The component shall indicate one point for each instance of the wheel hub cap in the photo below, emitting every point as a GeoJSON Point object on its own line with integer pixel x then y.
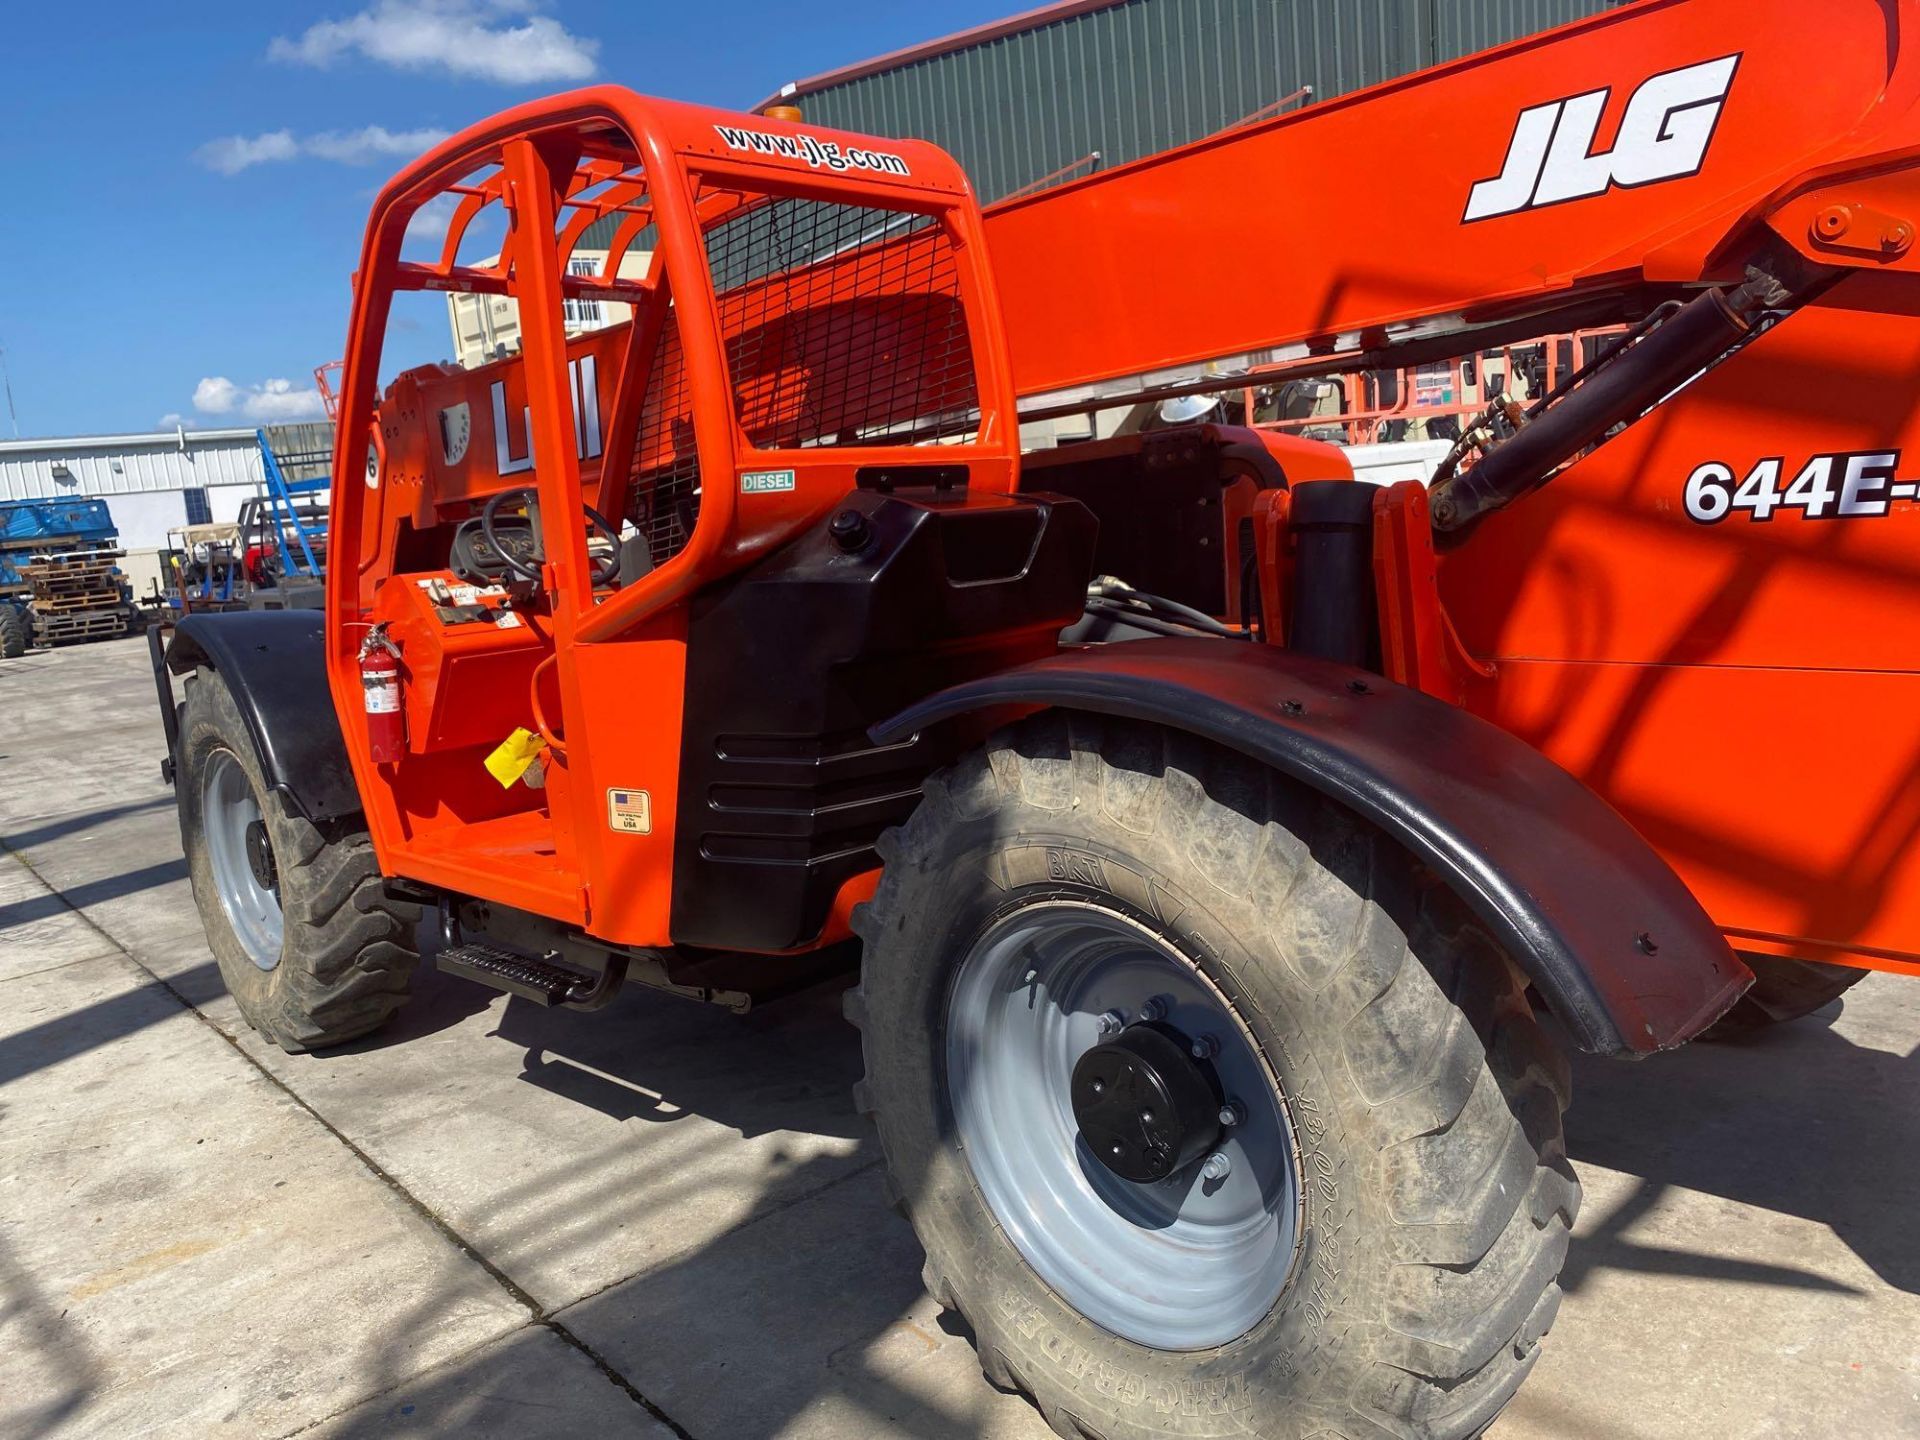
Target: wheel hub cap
{"type": "Point", "coordinates": [1057, 998]}
{"type": "Point", "coordinates": [240, 857]}
{"type": "Point", "coordinates": [1144, 1105]}
{"type": "Point", "coordinates": [260, 855]}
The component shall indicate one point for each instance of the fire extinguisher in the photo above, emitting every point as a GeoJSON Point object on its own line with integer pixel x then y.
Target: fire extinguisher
{"type": "Point", "coordinates": [380, 682]}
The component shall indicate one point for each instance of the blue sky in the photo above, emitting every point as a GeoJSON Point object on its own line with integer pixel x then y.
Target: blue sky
{"type": "Point", "coordinates": [186, 184]}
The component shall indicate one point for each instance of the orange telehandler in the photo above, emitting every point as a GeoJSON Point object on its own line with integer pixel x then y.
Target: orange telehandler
{"type": "Point", "coordinates": [1216, 831]}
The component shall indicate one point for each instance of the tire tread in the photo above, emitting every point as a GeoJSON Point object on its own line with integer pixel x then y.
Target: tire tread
{"type": "Point", "coordinates": [1464, 1085]}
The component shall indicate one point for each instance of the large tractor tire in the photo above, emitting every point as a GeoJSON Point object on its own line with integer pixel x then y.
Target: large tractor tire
{"type": "Point", "coordinates": [312, 948]}
{"type": "Point", "coordinates": [1783, 990]}
{"type": "Point", "coordinates": [1336, 1198]}
{"type": "Point", "coordinates": [13, 632]}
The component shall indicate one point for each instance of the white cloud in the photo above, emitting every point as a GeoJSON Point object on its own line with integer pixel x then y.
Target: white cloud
{"type": "Point", "coordinates": [171, 420]}
{"type": "Point", "coordinates": [215, 395]}
{"type": "Point", "coordinates": [427, 226]}
{"type": "Point", "coordinates": [271, 402]}
{"type": "Point", "coordinates": [374, 142]}
{"type": "Point", "coordinates": [473, 39]}
{"type": "Point", "coordinates": [235, 153]}
{"type": "Point", "coordinates": [427, 230]}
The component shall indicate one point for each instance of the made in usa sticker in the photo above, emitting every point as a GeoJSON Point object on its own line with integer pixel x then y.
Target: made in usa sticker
{"type": "Point", "coordinates": [630, 812]}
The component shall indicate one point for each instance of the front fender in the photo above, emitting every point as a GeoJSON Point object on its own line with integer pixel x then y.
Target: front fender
{"type": "Point", "coordinates": [275, 666]}
{"type": "Point", "coordinates": [1621, 950]}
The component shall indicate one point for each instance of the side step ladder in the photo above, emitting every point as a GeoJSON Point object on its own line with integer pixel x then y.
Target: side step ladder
{"type": "Point", "coordinates": [540, 981]}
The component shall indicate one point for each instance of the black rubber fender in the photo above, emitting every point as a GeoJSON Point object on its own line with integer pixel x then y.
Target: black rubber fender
{"type": "Point", "coordinates": [274, 665]}
{"type": "Point", "coordinates": [1613, 940]}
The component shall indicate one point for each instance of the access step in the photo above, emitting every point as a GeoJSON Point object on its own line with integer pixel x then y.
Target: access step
{"type": "Point", "coordinates": [536, 980]}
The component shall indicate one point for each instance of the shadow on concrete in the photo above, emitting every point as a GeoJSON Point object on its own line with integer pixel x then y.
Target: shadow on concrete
{"type": "Point", "coordinates": [819, 1273]}
{"type": "Point", "coordinates": [655, 1057]}
{"type": "Point", "coordinates": [435, 1002]}
{"type": "Point", "coordinates": [828, 1282]}
{"type": "Point", "coordinates": [29, 1323]}
{"type": "Point", "coordinates": [66, 825]}
{"type": "Point", "coordinates": [92, 1026]}
{"type": "Point", "coordinates": [1606, 1247]}
{"type": "Point", "coordinates": [91, 892]}
{"type": "Point", "coordinates": [1796, 1119]}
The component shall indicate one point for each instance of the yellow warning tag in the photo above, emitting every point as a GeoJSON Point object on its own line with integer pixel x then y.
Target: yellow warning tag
{"type": "Point", "coordinates": [510, 759]}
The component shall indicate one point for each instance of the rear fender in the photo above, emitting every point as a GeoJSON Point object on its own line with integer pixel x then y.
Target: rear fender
{"type": "Point", "coordinates": [274, 665]}
{"type": "Point", "coordinates": [1617, 945]}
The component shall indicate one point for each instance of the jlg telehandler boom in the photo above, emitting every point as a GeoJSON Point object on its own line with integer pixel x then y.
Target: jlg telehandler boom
{"type": "Point", "coordinates": [1197, 972]}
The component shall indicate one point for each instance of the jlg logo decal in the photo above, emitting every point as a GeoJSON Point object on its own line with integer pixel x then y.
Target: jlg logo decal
{"type": "Point", "coordinates": [1663, 136]}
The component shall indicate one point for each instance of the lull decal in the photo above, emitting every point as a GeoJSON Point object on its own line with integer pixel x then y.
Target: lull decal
{"type": "Point", "coordinates": [1846, 485]}
{"type": "Point", "coordinates": [816, 153]}
{"type": "Point", "coordinates": [1663, 135]}
{"type": "Point", "coordinates": [582, 376]}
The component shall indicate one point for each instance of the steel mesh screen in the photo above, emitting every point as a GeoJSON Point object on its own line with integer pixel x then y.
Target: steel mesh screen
{"type": "Point", "coordinates": [843, 325]}
{"type": "Point", "coordinates": [663, 498]}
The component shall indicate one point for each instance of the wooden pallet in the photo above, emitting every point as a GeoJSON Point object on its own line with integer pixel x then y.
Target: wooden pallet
{"type": "Point", "coordinates": [63, 582]}
{"type": "Point", "coordinates": [80, 564]}
{"type": "Point", "coordinates": [66, 559]}
{"type": "Point", "coordinates": [69, 626]}
{"type": "Point", "coordinates": [102, 597]}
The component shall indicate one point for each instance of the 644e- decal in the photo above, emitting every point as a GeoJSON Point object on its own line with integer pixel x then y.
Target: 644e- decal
{"type": "Point", "coordinates": [1844, 485]}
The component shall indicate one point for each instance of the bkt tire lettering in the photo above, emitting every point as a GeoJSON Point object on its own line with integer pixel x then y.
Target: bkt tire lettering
{"type": "Point", "coordinates": [1663, 136]}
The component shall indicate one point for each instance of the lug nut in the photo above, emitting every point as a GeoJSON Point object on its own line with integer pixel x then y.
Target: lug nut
{"type": "Point", "coordinates": [1205, 1047]}
{"type": "Point", "coordinates": [1230, 1113]}
{"type": "Point", "coordinates": [1217, 1166]}
{"type": "Point", "coordinates": [1154, 1009]}
{"type": "Point", "coordinates": [1112, 1023]}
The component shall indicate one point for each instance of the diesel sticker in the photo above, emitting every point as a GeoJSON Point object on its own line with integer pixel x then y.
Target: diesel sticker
{"type": "Point", "coordinates": [765, 482]}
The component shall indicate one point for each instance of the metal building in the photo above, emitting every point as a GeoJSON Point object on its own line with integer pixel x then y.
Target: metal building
{"type": "Point", "coordinates": [1088, 84]}
{"type": "Point", "coordinates": [154, 483]}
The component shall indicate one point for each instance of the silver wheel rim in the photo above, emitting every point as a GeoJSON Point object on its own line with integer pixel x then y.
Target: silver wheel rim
{"type": "Point", "coordinates": [227, 809]}
{"type": "Point", "coordinates": [1188, 1263]}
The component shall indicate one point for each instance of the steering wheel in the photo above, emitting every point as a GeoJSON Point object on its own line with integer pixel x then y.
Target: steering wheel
{"type": "Point", "coordinates": [601, 568]}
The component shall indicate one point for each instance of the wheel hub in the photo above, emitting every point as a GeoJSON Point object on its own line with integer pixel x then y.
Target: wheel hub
{"type": "Point", "coordinates": [1145, 1106]}
{"type": "Point", "coordinates": [260, 856]}
{"type": "Point", "coordinates": [246, 882]}
{"type": "Point", "coordinates": [1037, 1015]}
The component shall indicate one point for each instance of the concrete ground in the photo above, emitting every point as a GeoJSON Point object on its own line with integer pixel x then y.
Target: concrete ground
{"type": "Point", "coordinates": [494, 1220]}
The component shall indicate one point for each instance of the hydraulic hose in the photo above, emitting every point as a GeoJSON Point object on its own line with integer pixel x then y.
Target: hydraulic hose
{"type": "Point", "coordinates": [1626, 386]}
